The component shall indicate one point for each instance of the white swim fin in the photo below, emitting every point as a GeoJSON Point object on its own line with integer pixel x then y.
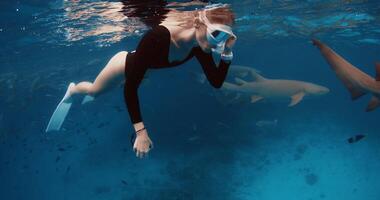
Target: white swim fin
{"type": "Point", "coordinates": [87, 98]}
{"type": "Point", "coordinates": [61, 111]}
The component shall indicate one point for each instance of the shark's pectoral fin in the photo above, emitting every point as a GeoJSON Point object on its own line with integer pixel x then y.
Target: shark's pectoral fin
{"type": "Point", "coordinates": [296, 98]}
{"type": "Point", "coordinates": [354, 90]}
{"type": "Point", "coordinates": [256, 98]}
{"type": "Point", "coordinates": [373, 104]}
{"type": "Point", "coordinates": [355, 93]}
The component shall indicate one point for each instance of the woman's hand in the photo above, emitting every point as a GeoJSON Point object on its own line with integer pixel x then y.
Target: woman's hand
{"type": "Point", "coordinates": [142, 144]}
{"type": "Point", "coordinates": [230, 43]}
{"type": "Point", "coordinates": [227, 54]}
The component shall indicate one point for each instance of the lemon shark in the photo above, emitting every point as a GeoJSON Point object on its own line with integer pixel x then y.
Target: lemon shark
{"type": "Point", "coordinates": [265, 88]}
{"type": "Point", "coordinates": [234, 71]}
{"type": "Point", "coordinates": [356, 81]}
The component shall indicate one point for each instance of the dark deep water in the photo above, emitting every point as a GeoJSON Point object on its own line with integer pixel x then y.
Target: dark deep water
{"type": "Point", "coordinates": [204, 148]}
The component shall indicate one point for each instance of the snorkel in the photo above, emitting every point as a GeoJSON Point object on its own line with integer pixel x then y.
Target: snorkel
{"type": "Point", "coordinates": [217, 34]}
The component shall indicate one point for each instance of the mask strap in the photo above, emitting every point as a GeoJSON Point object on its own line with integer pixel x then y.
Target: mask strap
{"type": "Point", "coordinates": [220, 27]}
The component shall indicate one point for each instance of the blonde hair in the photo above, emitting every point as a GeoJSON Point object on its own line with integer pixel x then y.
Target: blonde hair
{"type": "Point", "coordinates": [219, 15]}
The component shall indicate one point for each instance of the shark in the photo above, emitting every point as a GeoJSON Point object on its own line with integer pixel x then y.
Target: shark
{"type": "Point", "coordinates": [265, 88]}
{"type": "Point", "coordinates": [242, 71]}
{"type": "Point", "coordinates": [356, 81]}
{"type": "Point", "coordinates": [234, 71]}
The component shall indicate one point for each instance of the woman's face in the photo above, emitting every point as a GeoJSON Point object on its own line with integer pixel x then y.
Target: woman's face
{"type": "Point", "coordinates": [203, 42]}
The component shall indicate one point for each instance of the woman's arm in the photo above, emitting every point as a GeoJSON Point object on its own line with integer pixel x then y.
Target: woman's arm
{"type": "Point", "coordinates": [133, 80]}
{"type": "Point", "coordinates": [215, 74]}
{"type": "Point", "coordinates": [136, 66]}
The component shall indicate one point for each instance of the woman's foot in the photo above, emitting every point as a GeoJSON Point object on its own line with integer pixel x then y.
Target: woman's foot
{"type": "Point", "coordinates": [61, 111]}
{"type": "Point", "coordinates": [69, 92]}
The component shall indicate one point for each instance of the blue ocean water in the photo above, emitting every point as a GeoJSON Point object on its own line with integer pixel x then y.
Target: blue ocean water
{"type": "Point", "coordinates": [204, 148]}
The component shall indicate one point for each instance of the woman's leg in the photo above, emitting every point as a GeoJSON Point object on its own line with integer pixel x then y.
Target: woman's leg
{"type": "Point", "coordinates": [109, 77]}
{"type": "Point", "coordinates": [111, 74]}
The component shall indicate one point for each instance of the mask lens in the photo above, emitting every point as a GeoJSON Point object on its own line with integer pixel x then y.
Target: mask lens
{"type": "Point", "coordinates": [219, 48]}
{"type": "Point", "coordinates": [215, 33]}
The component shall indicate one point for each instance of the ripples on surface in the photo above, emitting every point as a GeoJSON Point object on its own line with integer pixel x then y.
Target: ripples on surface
{"type": "Point", "coordinates": [99, 21]}
{"type": "Point", "coordinates": [105, 23]}
{"type": "Point", "coordinates": [357, 20]}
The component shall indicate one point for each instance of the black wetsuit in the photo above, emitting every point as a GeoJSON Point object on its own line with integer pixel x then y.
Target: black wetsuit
{"type": "Point", "coordinates": [152, 53]}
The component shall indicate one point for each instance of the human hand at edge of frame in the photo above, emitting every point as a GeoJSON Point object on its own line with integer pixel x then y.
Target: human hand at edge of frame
{"type": "Point", "coordinates": [143, 144]}
{"type": "Point", "coordinates": [227, 52]}
{"type": "Point", "coordinates": [230, 43]}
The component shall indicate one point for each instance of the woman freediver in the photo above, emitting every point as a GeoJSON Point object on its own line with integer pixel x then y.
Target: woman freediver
{"type": "Point", "coordinates": [181, 36]}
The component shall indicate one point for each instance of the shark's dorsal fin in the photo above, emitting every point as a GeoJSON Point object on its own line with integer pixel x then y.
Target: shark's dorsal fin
{"type": "Point", "coordinates": [377, 67]}
{"type": "Point", "coordinates": [256, 76]}
{"type": "Point", "coordinates": [240, 81]}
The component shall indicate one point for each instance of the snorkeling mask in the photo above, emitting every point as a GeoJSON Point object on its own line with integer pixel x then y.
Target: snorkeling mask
{"type": "Point", "coordinates": [217, 34]}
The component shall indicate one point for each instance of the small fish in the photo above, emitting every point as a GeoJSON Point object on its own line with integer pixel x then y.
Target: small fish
{"type": "Point", "coordinates": [93, 62]}
{"type": "Point", "coordinates": [101, 125]}
{"type": "Point", "coordinates": [92, 141]}
{"type": "Point", "coordinates": [195, 127]}
{"type": "Point", "coordinates": [267, 123]}
{"type": "Point", "coordinates": [58, 158]}
{"type": "Point", "coordinates": [194, 138]}
{"type": "Point", "coordinates": [124, 182]}
{"type": "Point", "coordinates": [223, 124]}
{"type": "Point", "coordinates": [68, 169]}
{"type": "Point", "coordinates": [355, 138]}
{"type": "Point", "coordinates": [61, 149]}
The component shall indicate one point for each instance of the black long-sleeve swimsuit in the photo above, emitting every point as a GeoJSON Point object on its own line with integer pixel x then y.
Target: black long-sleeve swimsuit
{"type": "Point", "coordinates": [152, 53]}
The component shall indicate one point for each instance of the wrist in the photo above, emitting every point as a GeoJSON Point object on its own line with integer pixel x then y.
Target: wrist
{"type": "Point", "coordinates": [141, 132]}
{"type": "Point", "coordinates": [138, 126]}
{"type": "Point", "coordinates": [227, 56]}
